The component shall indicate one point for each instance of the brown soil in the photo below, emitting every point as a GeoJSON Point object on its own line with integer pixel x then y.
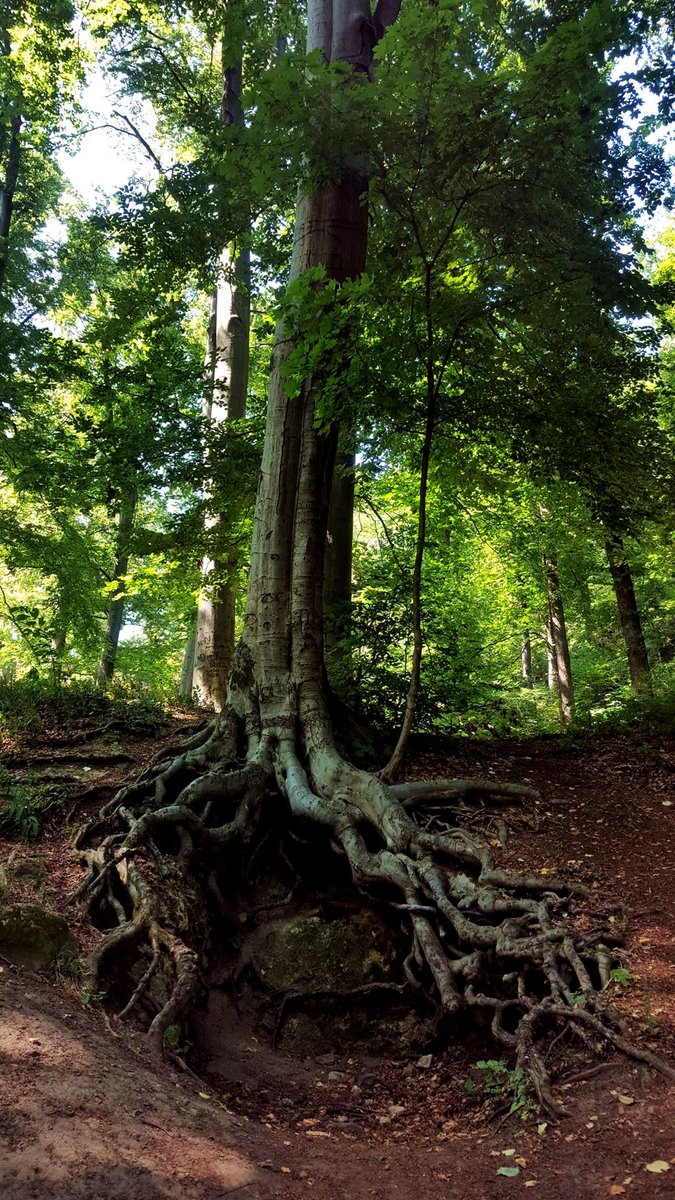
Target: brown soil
{"type": "Point", "coordinates": [84, 1111]}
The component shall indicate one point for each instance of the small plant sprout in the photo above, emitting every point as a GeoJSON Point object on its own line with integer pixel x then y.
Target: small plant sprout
{"type": "Point", "coordinates": [505, 1088]}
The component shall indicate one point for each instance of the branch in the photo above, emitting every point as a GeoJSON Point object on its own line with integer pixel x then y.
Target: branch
{"type": "Point", "coordinates": [135, 132]}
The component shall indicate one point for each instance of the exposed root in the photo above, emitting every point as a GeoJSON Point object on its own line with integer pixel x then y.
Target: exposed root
{"type": "Point", "coordinates": [412, 795]}
{"type": "Point", "coordinates": [483, 940]}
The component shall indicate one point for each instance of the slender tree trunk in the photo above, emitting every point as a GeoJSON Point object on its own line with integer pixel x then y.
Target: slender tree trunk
{"type": "Point", "coordinates": [115, 618]}
{"type": "Point", "coordinates": [338, 575]}
{"type": "Point", "coordinates": [187, 671]}
{"type": "Point", "coordinates": [552, 662]}
{"type": "Point", "coordinates": [526, 658]}
{"type": "Point", "coordinates": [629, 616]}
{"type": "Point", "coordinates": [7, 191]}
{"type": "Point", "coordinates": [227, 367]}
{"type": "Point", "coordinates": [559, 645]}
{"type": "Point", "coordinates": [393, 767]}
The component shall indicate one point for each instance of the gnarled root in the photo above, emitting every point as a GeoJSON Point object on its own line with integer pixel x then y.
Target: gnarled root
{"type": "Point", "coordinates": [161, 857]}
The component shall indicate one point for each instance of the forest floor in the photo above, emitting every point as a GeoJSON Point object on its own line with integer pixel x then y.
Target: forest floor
{"type": "Point", "coordinates": [86, 1113]}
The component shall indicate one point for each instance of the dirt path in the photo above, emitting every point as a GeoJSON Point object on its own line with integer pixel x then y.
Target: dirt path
{"type": "Point", "coordinates": [84, 1113]}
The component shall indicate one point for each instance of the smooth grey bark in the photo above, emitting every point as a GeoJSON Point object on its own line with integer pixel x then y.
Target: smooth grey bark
{"type": "Point", "coordinates": [560, 667]}
{"type": "Point", "coordinates": [115, 616]}
{"type": "Point", "coordinates": [526, 658]}
{"type": "Point", "coordinates": [227, 385]}
{"type": "Point", "coordinates": [187, 671]}
{"type": "Point", "coordinates": [629, 616]}
{"type": "Point", "coordinates": [284, 618]}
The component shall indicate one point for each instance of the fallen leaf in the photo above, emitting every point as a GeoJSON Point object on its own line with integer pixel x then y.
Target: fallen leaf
{"type": "Point", "coordinates": [626, 1099]}
{"type": "Point", "coordinates": [522, 1162]}
{"type": "Point", "coordinates": [616, 1190]}
{"type": "Point", "coordinates": [667, 803]}
{"type": "Point", "coordinates": [205, 1095]}
{"type": "Point", "coordinates": [657, 1167]}
{"type": "Point", "coordinates": [541, 1130]}
{"type": "Point", "coordinates": [510, 1172]}
{"type": "Point", "coordinates": [287, 1171]}
{"type": "Point", "coordinates": [508, 1153]}
{"type": "Point", "coordinates": [530, 1183]}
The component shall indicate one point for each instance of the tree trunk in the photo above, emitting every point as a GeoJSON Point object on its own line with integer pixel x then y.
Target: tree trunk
{"type": "Point", "coordinates": [560, 668]}
{"type": "Point", "coordinates": [116, 606]}
{"type": "Point", "coordinates": [552, 663]}
{"type": "Point", "coordinates": [629, 616]}
{"type": "Point", "coordinates": [227, 385]}
{"type": "Point", "coordinates": [526, 658]}
{"type": "Point", "coordinates": [338, 577]}
{"type": "Point", "coordinates": [187, 671]}
{"type": "Point", "coordinates": [7, 190]}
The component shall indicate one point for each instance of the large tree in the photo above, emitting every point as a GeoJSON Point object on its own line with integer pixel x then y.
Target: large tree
{"type": "Point", "coordinates": [481, 938]}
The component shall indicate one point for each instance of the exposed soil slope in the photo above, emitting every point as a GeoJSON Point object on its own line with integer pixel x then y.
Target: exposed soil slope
{"type": "Point", "coordinates": [84, 1112]}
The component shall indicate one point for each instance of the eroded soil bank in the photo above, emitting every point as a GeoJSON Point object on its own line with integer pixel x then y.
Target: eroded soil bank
{"type": "Point", "coordinates": [84, 1112]}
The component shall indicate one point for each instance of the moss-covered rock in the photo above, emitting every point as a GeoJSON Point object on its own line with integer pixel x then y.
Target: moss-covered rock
{"type": "Point", "coordinates": [311, 952]}
{"type": "Point", "coordinates": [323, 952]}
{"type": "Point", "coordinates": [32, 937]}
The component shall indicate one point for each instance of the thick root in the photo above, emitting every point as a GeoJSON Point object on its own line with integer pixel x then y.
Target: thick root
{"type": "Point", "coordinates": [481, 939]}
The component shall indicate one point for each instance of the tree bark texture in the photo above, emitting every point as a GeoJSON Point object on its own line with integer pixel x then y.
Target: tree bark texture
{"type": "Point", "coordinates": [560, 667]}
{"type": "Point", "coordinates": [115, 617]}
{"type": "Point", "coordinates": [629, 616]}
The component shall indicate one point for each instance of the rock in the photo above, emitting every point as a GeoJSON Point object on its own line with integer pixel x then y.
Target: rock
{"type": "Point", "coordinates": [425, 1061]}
{"type": "Point", "coordinates": [336, 1076]}
{"type": "Point", "coordinates": [396, 1110]}
{"type": "Point", "coordinates": [311, 952]}
{"type": "Point", "coordinates": [34, 938]}
{"type": "Point", "coordinates": [357, 1091]}
{"type": "Point", "coordinates": [336, 951]}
